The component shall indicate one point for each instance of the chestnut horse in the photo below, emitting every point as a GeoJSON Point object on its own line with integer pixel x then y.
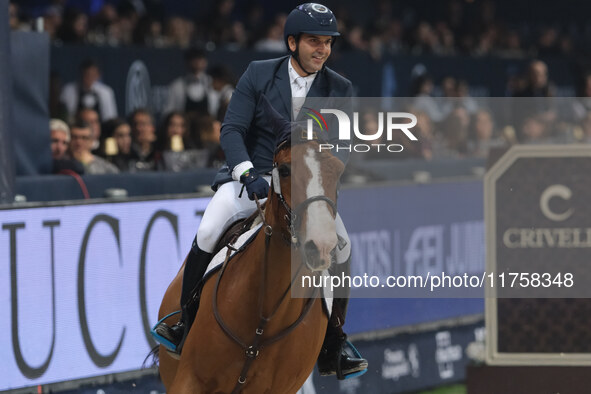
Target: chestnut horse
{"type": "Point", "coordinates": [250, 335]}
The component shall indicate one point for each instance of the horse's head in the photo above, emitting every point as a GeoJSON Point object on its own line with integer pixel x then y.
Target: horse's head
{"type": "Point", "coordinates": [305, 180]}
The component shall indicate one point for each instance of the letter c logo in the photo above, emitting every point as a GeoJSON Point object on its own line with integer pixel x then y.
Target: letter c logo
{"type": "Point", "coordinates": [555, 191]}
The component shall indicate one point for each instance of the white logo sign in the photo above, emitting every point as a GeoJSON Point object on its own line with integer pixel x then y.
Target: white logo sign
{"type": "Point", "coordinates": [138, 88]}
{"type": "Point", "coordinates": [446, 354]}
{"type": "Point", "coordinates": [555, 191]}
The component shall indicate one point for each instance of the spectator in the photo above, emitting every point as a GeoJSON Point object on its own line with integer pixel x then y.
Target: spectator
{"type": "Point", "coordinates": [105, 29]}
{"type": "Point", "coordinates": [537, 83]}
{"type": "Point", "coordinates": [74, 29]}
{"type": "Point", "coordinates": [189, 93]}
{"type": "Point", "coordinates": [60, 138]}
{"type": "Point", "coordinates": [148, 32]}
{"type": "Point", "coordinates": [219, 21]}
{"type": "Point", "coordinates": [533, 131]}
{"type": "Point", "coordinates": [537, 89]}
{"type": "Point", "coordinates": [179, 31]}
{"type": "Point", "coordinates": [464, 98]}
{"type": "Point", "coordinates": [426, 40]}
{"type": "Point", "coordinates": [91, 117]}
{"type": "Point", "coordinates": [89, 92]}
{"type": "Point", "coordinates": [174, 134]}
{"type": "Point", "coordinates": [254, 22]}
{"type": "Point", "coordinates": [483, 137]}
{"type": "Point", "coordinates": [207, 133]}
{"type": "Point", "coordinates": [60, 141]}
{"type": "Point", "coordinates": [143, 135]}
{"type": "Point", "coordinates": [455, 134]}
{"type": "Point", "coordinates": [52, 21]}
{"type": "Point", "coordinates": [548, 44]}
{"type": "Point", "coordinates": [422, 90]}
{"type": "Point", "coordinates": [118, 144]}
{"type": "Point", "coordinates": [13, 16]}
{"type": "Point", "coordinates": [511, 45]}
{"type": "Point", "coordinates": [426, 136]}
{"type": "Point", "coordinates": [129, 14]}
{"type": "Point", "coordinates": [449, 86]}
{"type": "Point", "coordinates": [238, 37]}
{"type": "Point", "coordinates": [80, 147]}
{"type": "Point", "coordinates": [273, 40]}
{"type": "Point", "coordinates": [222, 87]}
{"type": "Point", "coordinates": [176, 145]}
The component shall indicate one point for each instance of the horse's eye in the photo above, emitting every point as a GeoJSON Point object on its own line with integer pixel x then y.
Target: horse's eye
{"type": "Point", "coordinates": [284, 171]}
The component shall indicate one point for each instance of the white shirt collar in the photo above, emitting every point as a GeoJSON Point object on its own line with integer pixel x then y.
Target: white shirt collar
{"type": "Point", "coordinates": [293, 75]}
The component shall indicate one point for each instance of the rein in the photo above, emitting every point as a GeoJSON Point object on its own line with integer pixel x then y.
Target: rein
{"type": "Point", "coordinates": [292, 218]}
{"type": "Point", "coordinates": [257, 343]}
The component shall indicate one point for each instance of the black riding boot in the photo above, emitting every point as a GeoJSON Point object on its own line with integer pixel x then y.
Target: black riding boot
{"type": "Point", "coordinates": [195, 267]}
{"type": "Point", "coordinates": [333, 359]}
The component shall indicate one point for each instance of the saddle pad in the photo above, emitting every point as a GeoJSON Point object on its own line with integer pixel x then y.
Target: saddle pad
{"type": "Point", "coordinates": [244, 239]}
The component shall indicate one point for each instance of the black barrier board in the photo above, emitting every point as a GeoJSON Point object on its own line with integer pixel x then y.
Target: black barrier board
{"type": "Point", "coordinates": [538, 233]}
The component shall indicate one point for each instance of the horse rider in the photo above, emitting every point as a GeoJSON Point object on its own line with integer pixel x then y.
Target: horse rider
{"type": "Point", "coordinates": [249, 142]}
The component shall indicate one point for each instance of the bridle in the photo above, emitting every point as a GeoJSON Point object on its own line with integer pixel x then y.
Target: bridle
{"type": "Point", "coordinates": [292, 218]}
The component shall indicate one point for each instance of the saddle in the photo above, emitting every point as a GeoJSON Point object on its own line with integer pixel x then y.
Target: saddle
{"type": "Point", "coordinates": [227, 239]}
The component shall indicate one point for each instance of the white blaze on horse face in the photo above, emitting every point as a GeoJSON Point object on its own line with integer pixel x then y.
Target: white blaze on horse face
{"type": "Point", "coordinates": [320, 224]}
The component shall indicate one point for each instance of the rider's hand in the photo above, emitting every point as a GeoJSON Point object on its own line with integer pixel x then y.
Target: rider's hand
{"type": "Point", "coordinates": [255, 185]}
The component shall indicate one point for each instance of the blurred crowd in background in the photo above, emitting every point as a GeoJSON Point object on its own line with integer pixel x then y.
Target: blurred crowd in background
{"type": "Point", "coordinates": [476, 28]}
{"type": "Point", "coordinates": [186, 137]}
{"type": "Point", "coordinates": [88, 136]}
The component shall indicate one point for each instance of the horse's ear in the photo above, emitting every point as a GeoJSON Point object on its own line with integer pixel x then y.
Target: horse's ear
{"type": "Point", "coordinates": [281, 126]}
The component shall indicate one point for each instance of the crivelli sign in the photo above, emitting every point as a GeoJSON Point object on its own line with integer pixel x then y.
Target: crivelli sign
{"type": "Point", "coordinates": [551, 237]}
{"type": "Point", "coordinates": [541, 224]}
{"type": "Point", "coordinates": [538, 223]}
{"type": "Point", "coordinates": [81, 285]}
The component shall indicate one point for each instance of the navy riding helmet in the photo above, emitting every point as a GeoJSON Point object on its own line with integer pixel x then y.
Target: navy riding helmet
{"type": "Point", "coordinates": [310, 18]}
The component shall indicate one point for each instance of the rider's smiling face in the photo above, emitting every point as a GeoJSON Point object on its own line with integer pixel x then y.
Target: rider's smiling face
{"type": "Point", "coordinates": [313, 51]}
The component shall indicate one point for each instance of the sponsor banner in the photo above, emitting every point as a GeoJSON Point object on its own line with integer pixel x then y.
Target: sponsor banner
{"type": "Point", "coordinates": [414, 231]}
{"type": "Point", "coordinates": [539, 237]}
{"type": "Point", "coordinates": [411, 229]}
{"type": "Point", "coordinates": [411, 362]}
{"type": "Point", "coordinates": [80, 286]}
{"type": "Point", "coordinates": [404, 363]}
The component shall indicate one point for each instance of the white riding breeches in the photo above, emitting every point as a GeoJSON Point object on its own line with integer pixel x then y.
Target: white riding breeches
{"type": "Point", "coordinates": [226, 207]}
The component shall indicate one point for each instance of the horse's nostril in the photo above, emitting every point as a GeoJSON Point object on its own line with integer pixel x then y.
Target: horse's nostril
{"type": "Point", "coordinates": [311, 250]}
